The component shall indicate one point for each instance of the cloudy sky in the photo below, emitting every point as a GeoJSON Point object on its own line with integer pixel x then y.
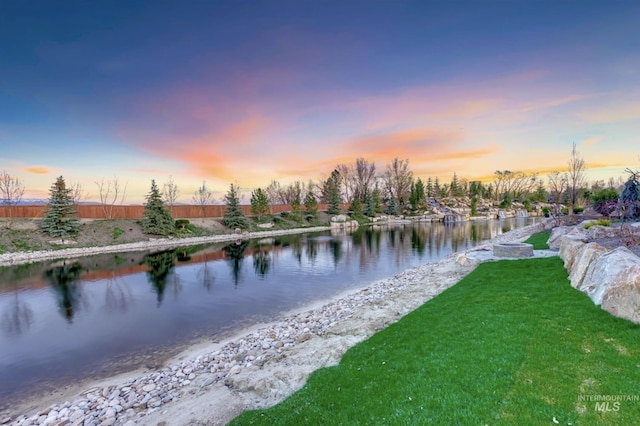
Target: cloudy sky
{"type": "Point", "coordinates": [250, 91]}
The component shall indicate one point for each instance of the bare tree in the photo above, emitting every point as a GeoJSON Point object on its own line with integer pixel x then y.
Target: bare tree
{"type": "Point", "coordinates": [78, 194]}
{"type": "Point", "coordinates": [557, 184]}
{"type": "Point", "coordinates": [11, 191]}
{"type": "Point", "coordinates": [576, 176]}
{"type": "Point", "coordinates": [203, 197]}
{"type": "Point", "coordinates": [275, 193]}
{"type": "Point", "coordinates": [513, 184]}
{"type": "Point", "coordinates": [358, 179]}
{"type": "Point", "coordinates": [397, 180]}
{"type": "Point", "coordinates": [170, 191]}
{"type": "Point", "coordinates": [111, 192]}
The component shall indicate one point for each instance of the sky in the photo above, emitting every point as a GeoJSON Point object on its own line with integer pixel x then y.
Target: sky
{"type": "Point", "coordinates": [247, 92]}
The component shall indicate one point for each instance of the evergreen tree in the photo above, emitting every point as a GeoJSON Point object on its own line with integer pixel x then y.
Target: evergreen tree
{"type": "Point", "coordinates": [311, 204]}
{"type": "Point", "coordinates": [259, 203]}
{"type": "Point", "coordinates": [61, 218]}
{"type": "Point", "coordinates": [296, 204]}
{"type": "Point", "coordinates": [356, 206]}
{"type": "Point", "coordinates": [233, 216]}
{"type": "Point", "coordinates": [377, 199]}
{"type": "Point", "coordinates": [453, 186]}
{"type": "Point", "coordinates": [413, 197]}
{"type": "Point", "coordinates": [429, 189]}
{"type": "Point", "coordinates": [333, 189]}
{"type": "Point", "coordinates": [392, 208]}
{"type": "Point", "coordinates": [436, 188]}
{"type": "Point", "coordinates": [370, 207]}
{"type": "Point", "coordinates": [156, 217]}
{"type": "Point", "coordinates": [420, 194]}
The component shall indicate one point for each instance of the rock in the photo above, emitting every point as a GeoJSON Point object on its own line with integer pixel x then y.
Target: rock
{"type": "Point", "coordinates": [148, 388]}
{"type": "Point", "coordinates": [611, 278]}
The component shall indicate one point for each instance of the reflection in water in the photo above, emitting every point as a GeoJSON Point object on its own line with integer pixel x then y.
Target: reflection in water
{"type": "Point", "coordinates": [335, 246]}
{"type": "Point", "coordinates": [161, 266]}
{"type": "Point", "coordinates": [312, 250]}
{"type": "Point", "coordinates": [117, 296]}
{"type": "Point", "coordinates": [64, 280]}
{"type": "Point", "coordinates": [234, 254]}
{"type": "Point", "coordinates": [18, 317]}
{"type": "Point", "coordinates": [261, 262]}
{"type": "Point", "coordinates": [206, 274]}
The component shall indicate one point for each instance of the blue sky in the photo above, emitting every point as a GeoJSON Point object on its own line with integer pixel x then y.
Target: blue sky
{"type": "Point", "coordinates": [250, 91]}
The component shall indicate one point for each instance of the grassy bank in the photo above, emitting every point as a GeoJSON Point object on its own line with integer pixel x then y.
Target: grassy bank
{"type": "Point", "coordinates": [539, 240]}
{"type": "Point", "coordinates": [512, 343]}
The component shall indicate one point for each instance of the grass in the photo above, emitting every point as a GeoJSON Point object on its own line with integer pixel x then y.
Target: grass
{"type": "Point", "coordinates": [511, 343]}
{"type": "Point", "coordinates": [539, 240]}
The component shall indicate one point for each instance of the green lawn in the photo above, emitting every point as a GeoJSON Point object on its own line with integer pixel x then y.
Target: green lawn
{"type": "Point", "coordinates": [511, 343]}
{"type": "Point", "coordinates": [539, 240]}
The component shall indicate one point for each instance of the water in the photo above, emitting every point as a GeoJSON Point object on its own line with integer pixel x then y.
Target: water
{"type": "Point", "coordinates": [91, 317]}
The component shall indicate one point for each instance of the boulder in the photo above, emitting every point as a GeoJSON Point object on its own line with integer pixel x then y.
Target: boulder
{"type": "Point", "coordinates": [611, 278]}
{"type": "Point", "coordinates": [597, 231]}
{"type": "Point", "coordinates": [583, 259]}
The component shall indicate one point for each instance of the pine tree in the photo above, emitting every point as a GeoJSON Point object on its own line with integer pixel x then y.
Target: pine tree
{"type": "Point", "coordinates": [356, 206]}
{"type": "Point", "coordinates": [420, 194]}
{"type": "Point", "coordinates": [370, 207]}
{"type": "Point", "coordinates": [333, 195]}
{"type": "Point", "coordinates": [296, 205]}
{"type": "Point", "coordinates": [61, 218]}
{"type": "Point", "coordinates": [392, 209]}
{"type": "Point", "coordinates": [377, 200]}
{"type": "Point", "coordinates": [429, 189]}
{"type": "Point", "coordinates": [233, 216]}
{"type": "Point", "coordinates": [259, 203]}
{"type": "Point", "coordinates": [311, 204]}
{"type": "Point", "coordinates": [156, 218]}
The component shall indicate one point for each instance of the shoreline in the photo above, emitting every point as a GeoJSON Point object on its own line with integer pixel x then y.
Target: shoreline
{"type": "Point", "coordinates": [18, 258]}
{"type": "Point", "coordinates": [212, 382]}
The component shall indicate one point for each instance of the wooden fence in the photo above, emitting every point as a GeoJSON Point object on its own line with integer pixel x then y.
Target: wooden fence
{"type": "Point", "coordinates": [97, 211]}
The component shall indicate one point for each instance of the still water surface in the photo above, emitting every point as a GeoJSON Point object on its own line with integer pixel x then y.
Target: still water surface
{"type": "Point", "coordinates": [90, 317]}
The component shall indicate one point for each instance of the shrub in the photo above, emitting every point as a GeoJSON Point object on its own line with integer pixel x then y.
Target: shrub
{"type": "Point", "coordinates": [181, 223]}
{"type": "Point", "coordinates": [578, 210]}
{"type": "Point", "coordinates": [285, 214]}
{"type": "Point", "coordinates": [546, 211]}
{"type": "Point", "coordinates": [276, 219]}
{"type": "Point", "coordinates": [117, 232]}
{"type": "Point", "coordinates": [605, 201]}
{"type": "Point", "coordinates": [599, 222]}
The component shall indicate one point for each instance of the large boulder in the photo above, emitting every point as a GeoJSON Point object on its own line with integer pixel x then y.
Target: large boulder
{"type": "Point", "coordinates": [611, 278]}
{"type": "Point", "coordinates": [560, 231]}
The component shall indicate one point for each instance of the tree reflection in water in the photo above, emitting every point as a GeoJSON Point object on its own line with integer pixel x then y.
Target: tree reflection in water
{"type": "Point", "coordinates": [234, 253]}
{"type": "Point", "coordinates": [336, 250]}
{"type": "Point", "coordinates": [64, 280]}
{"type": "Point", "coordinates": [18, 318]}
{"type": "Point", "coordinates": [161, 267]}
{"type": "Point", "coordinates": [117, 296]}
{"type": "Point", "coordinates": [261, 262]}
{"type": "Point", "coordinates": [312, 250]}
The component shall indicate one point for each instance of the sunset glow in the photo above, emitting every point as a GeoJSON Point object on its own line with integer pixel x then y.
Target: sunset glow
{"type": "Point", "coordinates": [248, 92]}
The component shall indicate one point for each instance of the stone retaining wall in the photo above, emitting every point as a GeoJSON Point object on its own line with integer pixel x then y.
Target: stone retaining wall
{"type": "Point", "coordinates": [610, 277]}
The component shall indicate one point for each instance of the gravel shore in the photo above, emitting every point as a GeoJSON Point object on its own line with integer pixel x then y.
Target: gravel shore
{"type": "Point", "coordinates": [211, 383]}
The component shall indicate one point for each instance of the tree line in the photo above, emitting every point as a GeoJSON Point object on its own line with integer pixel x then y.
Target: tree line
{"type": "Point", "coordinates": [367, 191]}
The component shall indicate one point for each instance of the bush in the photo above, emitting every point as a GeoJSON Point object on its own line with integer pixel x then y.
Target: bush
{"type": "Point", "coordinates": [578, 210]}
{"type": "Point", "coordinates": [546, 211]}
{"type": "Point", "coordinates": [276, 219]}
{"type": "Point", "coordinates": [285, 214]}
{"type": "Point", "coordinates": [605, 201]}
{"type": "Point", "coordinates": [599, 222]}
{"type": "Point", "coordinates": [181, 223]}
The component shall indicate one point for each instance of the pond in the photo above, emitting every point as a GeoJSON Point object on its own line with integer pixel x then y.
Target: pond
{"type": "Point", "coordinates": [91, 317]}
